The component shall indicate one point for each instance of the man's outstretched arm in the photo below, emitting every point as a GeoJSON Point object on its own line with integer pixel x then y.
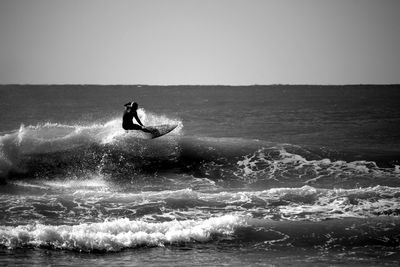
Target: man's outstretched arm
{"type": "Point", "coordinates": [138, 120]}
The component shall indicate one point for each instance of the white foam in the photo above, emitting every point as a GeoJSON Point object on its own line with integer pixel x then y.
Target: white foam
{"type": "Point", "coordinates": [30, 185]}
{"type": "Point", "coordinates": [261, 165]}
{"type": "Point", "coordinates": [71, 205]}
{"type": "Point", "coordinates": [94, 182]}
{"type": "Point", "coordinates": [304, 203]}
{"type": "Point", "coordinates": [118, 234]}
{"type": "Point", "coordinates": [397, 168]}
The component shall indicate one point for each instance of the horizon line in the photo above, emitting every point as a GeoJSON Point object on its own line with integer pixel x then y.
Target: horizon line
{"type": "Point", "coordinates": [227, 85]}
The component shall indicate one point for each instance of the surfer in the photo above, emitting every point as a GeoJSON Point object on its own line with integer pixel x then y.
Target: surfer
{"type": "Point", "coordinates": [130, 113]}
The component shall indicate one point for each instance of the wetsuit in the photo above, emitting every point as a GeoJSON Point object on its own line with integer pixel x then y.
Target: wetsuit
{"type": "Point", "coordinates": [127, 122]}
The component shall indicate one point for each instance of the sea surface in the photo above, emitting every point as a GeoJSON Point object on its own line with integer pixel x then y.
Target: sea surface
{"type": "Point", "coordinates": [252, 176]}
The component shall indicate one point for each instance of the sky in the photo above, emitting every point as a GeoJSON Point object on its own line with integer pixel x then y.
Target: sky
{"type": "Point", "coordinates": [174, 42]}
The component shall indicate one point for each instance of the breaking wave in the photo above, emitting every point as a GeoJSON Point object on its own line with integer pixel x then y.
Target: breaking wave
{"type": "Point", "coordinates": [117, 234]}
{"type": "Point", "coordinates": [61, 145]}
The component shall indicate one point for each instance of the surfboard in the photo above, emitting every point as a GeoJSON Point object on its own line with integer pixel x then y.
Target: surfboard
{"type": "Point", "coordinates": [160, 130]}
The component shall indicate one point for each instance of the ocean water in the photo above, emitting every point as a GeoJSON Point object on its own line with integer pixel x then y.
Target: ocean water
{"type": "Point", "coordinates": [255, 175]}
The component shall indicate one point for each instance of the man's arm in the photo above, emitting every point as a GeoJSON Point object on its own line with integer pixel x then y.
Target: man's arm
{"type": "Point", "coordinates": [138, 120]}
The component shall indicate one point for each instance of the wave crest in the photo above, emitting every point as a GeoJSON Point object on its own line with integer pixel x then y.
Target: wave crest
{"type": "Point", "coordinates": [54, 138]}
{"type": "Point", "coordinates": [117, 234]}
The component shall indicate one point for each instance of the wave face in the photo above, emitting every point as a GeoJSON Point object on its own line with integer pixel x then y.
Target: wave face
{"type": "Point", "coordinates": [97, 188]}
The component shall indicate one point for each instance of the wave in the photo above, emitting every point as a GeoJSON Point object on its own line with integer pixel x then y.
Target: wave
{"type": "Point", "coordinates": [59, 214]}
{"type": "Point", "coordinates": [57, 143]}
{"type": "Point", "coordinates": [86, 203]}
{"type": "Point", "coordinates": [118, 234]}
{"type": "Point", "coordinates": [54, 150]}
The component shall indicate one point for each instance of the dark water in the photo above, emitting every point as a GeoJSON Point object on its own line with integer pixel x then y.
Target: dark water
{"type": "Point", "coordinates": [258, 175]}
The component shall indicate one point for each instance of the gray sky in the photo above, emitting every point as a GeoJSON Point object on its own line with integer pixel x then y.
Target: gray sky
{"type": "Point", "coordinates": [233, 42]}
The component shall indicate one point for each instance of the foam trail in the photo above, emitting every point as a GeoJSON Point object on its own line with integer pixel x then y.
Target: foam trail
{"type": "Point", "coordinates": [118, 234]}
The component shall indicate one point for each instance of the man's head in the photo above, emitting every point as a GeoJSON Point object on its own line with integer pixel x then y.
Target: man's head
{"type": "Point", "coordinates": [131, 105]}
